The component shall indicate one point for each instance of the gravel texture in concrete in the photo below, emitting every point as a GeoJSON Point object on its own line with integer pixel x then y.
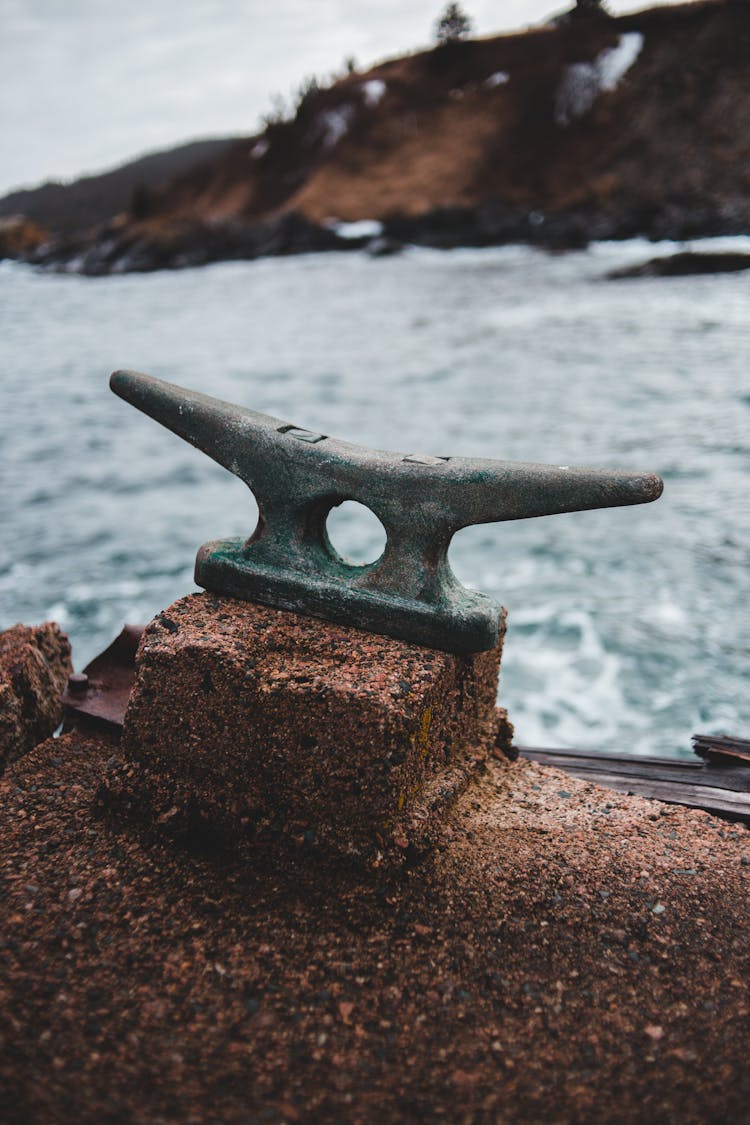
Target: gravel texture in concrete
{"type": "Point", "coordinates": [34, 668]}
{"type": "Point", "coordinates": [564, 954]}
{"type": "Point", "coordinates": [358, 740]}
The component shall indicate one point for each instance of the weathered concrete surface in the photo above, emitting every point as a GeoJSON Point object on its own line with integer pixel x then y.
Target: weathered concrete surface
{"type": "Point", "coordinates": [259, 715]}
{"type": "Point", "coordinates": [566, 954]}
{"type": "Point", "coordinates": [34, 669]}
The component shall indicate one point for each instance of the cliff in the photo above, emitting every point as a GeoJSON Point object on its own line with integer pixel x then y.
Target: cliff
{"type": "Point", "coordinates": [589, 127]}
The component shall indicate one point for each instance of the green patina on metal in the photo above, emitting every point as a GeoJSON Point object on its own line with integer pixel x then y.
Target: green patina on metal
{"type": "Point", "coordinates": [298, 476]}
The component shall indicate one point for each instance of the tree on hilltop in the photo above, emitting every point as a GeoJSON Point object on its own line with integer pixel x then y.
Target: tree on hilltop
{"type": "Point", "coordinates": [452, 25]}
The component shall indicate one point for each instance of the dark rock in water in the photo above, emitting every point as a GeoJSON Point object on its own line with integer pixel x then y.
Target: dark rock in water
{"type": "Point", "coordinates": [382, 247]}
{"type": "Point", "coordinates": [685, 264]}
{"type": "Point", "coordinates": [122, 247]}
{"type": "Point", "coordinates": [496, 223]}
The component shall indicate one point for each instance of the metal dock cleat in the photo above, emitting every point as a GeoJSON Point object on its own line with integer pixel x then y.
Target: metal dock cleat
{"type": "Point", "coordinates": [298, 476]}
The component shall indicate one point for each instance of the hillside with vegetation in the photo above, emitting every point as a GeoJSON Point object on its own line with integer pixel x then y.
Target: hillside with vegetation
{"type": "Point", "coordinates": [588, 127]}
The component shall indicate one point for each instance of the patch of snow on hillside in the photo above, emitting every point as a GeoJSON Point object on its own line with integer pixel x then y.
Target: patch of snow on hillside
{"type": "Point", "coordinates": [583, 82]}
{"type": "Point", "coordinates": [615, 62]}
{"type": "Point", "coordinates": [334, 124]}
{"type": "Point", "coordinates": [373, 90]}
{"type": "Point", "coordinates": [362, 228]}
{"type": "Point", "coordinates": [499, 78]}
{"type": "Point", "coordinates": [259, 149]}
{"type": "Point", "coordinates": [576, 93]}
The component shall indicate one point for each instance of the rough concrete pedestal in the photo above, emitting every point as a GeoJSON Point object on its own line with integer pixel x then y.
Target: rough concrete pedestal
{"type": "Point", "coordinates": [34, 668]}
{"type": "Point", "coordinates": [266, 717]}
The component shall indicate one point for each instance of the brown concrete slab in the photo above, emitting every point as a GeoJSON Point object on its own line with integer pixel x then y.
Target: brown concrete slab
{"type": "Point", "coordinates": [565, 954]}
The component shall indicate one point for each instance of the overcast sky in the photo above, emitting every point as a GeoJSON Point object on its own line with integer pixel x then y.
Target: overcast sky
{"type": "Point", "coordinates": [86, 84]}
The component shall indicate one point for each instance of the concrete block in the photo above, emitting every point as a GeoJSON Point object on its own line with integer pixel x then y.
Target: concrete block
{"type": "Point", "coordinates": [265, 716]}
{"type": "Point", "coordinates": [34, 668]}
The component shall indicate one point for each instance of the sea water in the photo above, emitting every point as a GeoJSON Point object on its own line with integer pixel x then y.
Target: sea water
{"type": "Point", "coordinates": [628, 629]}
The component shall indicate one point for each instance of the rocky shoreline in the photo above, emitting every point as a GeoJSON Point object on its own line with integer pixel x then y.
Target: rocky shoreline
{"type": "Point", "coordinates": [577, 131]}
{"type": "Point", "coordinates": [121, 248]}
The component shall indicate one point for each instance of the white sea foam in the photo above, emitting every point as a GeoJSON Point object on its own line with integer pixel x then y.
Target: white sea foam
{"type": "Point", "coordinates": [567, 688]}
{"type": "Point", "coordinates": [58, 612]}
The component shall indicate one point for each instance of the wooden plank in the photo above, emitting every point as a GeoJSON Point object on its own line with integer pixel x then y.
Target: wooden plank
{"type": "Point", "coordinates": [603, 763]}
{"type": "Point", "coordinates": [717, 747]}
{"type": "Point", "coordinates": [710, 799]}
{"type": "Point", "coordinates": [724, 790]}
{"type": "Point", "coordinates": [732, 777]}
{"type": "Point", "coordinates": [596, 755]}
